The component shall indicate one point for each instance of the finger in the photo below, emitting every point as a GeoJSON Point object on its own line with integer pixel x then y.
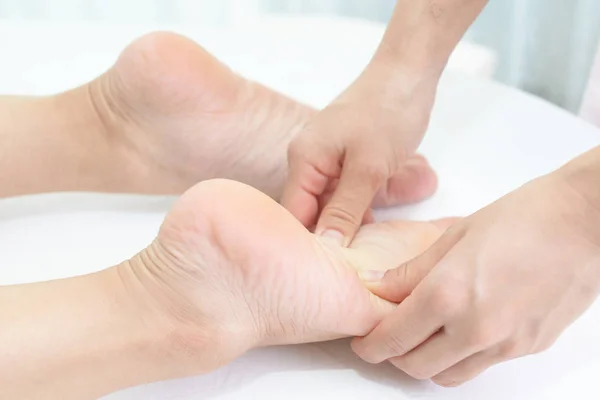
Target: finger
{"type": "Point", "coordinates": [406, 328]}
{"type": "Point", "coordinates": [398, 283]}
{"type": "Point", "coordinates": [435, 355]}
{"type": "Point", "coordinates": [415, 182]}
{"type": "Point", "coordinates": [368, 218]}
{"type": "Point", "coordinates": [327, 194]}
{"type": "Point", "coordinates": [445, 223]}
{"type": "Point", "coordinates": [303, 187]}
{"type": "Point", "coordinates": [467, 369]}
{"type": "Point", "coordinates": [351, 199]}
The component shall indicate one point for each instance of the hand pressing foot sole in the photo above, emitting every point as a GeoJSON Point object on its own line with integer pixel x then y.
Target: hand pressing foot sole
{"type": "Point", "coordinates": [178, 116]}
{"type": "Point", "coordinates": [232, 270]}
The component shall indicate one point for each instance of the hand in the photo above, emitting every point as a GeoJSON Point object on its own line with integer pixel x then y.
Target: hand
{"type": "Point", "coordinates": [233, 270]}
{"type": "Point", "coordinates": [500, 284]}
{"type": "Point", "coordinates": [356, 148]}
{"type": "Point", "coordinates": [179, 116]}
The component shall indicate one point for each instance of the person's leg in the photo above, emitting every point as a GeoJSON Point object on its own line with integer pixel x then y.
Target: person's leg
{"type": "Point", "coordinates": [165, 117]}
{"type": "Point", "coordinates": [230, 270]}
{"type": "Point", "coordinates": [185, 117]}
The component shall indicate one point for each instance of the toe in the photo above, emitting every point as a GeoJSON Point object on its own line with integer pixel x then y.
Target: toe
{"type": "Point", "coordinates": [415, 182]}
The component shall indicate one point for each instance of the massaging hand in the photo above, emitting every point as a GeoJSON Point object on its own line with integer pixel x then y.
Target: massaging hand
{"type": "Point", "coordinates": [233, 270]}
{"type": "Point", "coordinates": [356, 149]}
{"type": "Point", "coordinates": [502, 283]}
{"type": "Point", "coordinates": [177, 116]}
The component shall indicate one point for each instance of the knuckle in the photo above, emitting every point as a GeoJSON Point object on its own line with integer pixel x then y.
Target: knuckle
{"type": "Point", "coordinates": [542, 346]}
{"type": "Point", "coordinates": [403, 275]}
{"type": "Point", "coordinates": [376, 172]}
{"type": "Point", "coordinates": [369, 165]}
{"type": "Point", "coordinates": [337, 215]}
{"type": "Point", "coordinates": [396, 345]}
{"type": "Point", "coordinates": [372, 168]}
{"type": "Point", "coordinates": [447, 301]}
{"type": "Point", "coordinates": [511, 349]}
{"type": "Point", "coordinates": [534, 336]}
{"type": "Point", "coordinates": [296, 150]}
{"type": "Point", "coordinates": [482, 334]}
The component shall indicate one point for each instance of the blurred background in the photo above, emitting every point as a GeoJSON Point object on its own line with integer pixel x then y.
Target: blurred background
{"type": "Point", "coordinates": [545, 47]}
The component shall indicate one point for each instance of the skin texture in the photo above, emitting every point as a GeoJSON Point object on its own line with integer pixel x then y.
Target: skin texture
{"type": "Point", "coordinates": [278, 283]}
{"type": "Point", "coordinates": [230, 270]}
{"type": "Point", "coordinates": [86, 150]}
{"type": "Point", "coordinates": [166, 116]}
{"type": "Point", "coordinates": [183, 109]}
{"type": "Point", "coordinates": [503, 283]}
{"type": "Point", "coordinates": [366, 135]}
{"type": "Point", "coordinates": [207, 290]}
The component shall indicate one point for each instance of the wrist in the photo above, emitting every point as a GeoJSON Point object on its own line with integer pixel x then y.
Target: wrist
{"type": "Point", "coordinates": [579, 180]}
{"type": "Point", "coordinates": [422, 34]}
{"type": "Point", "coordinates": [583, 176]}
{"type": "Point", "coordinates": [401, 86]}
{"type": "Point", "coordinates": [416, 65]}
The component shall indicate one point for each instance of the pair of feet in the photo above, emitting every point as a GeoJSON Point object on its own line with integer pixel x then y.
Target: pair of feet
{"type": "Point", "coordinates": [179, 116]}
{"type": "Point", "coordinates": [230, 267]}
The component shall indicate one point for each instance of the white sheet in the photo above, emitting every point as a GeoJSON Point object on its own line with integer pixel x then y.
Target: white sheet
{"type": "Point", "coordinates": [484, 141]}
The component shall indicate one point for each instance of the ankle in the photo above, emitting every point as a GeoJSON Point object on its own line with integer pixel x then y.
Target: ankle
{"type": "Point", "coordinates": [191, 327]}
{"type": "Point", "coordinates": [121, 167]}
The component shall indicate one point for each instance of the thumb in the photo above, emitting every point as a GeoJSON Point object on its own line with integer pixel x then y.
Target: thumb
{"type": "Point", "coordinates": [397, 284]}
{"type": "Point", "coordinates": [303, 187]}
{"type": "Point", "coordinates": [342, 216]}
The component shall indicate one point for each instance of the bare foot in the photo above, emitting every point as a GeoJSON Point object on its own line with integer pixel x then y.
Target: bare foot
{"type": "Point", "coordinates": [239, 271]}
{"type": "Point", "coordinates": [180, 117]}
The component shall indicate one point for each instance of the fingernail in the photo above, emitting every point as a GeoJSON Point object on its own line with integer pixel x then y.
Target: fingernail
{"type": "Point", "coordinates": [371, 276]}
{"type": "Point", "coordinates": [334, 235]}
